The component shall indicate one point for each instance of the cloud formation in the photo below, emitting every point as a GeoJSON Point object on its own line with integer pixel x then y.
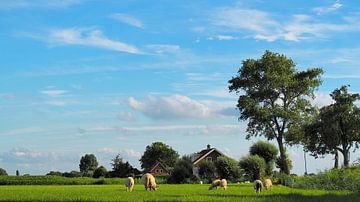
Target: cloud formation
{"type": "Point", "coordinates": [127, 19]}
{"type": "Point", "coordinates": [86, 37]}
{"type": "Point", "coordinates": [16, 4]}
{"type": "Point", "coordinates": [324, 10]}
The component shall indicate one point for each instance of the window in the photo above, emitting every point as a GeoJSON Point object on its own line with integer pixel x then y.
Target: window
{"type": "Point", "coordinates": [161, 170]}
{"type": "Point", "coordinates": [209, 158]}
{"type": "Point", "coordinates": [156, 171]}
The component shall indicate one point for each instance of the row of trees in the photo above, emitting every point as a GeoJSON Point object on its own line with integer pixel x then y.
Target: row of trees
{"type": "Point", "coordinates": [275, 99]}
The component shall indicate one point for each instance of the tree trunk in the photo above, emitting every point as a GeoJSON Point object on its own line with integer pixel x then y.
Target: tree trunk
{"type": "Point", "coordinates": [346, 155]}
{"type": "Point", "coordinates": [336, 164]}
{"type": "Point", "coordinates": [284, 166]}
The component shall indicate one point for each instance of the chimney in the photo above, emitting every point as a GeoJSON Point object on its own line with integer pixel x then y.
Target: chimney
{"type": "Point", "coordinates": [208, 146]}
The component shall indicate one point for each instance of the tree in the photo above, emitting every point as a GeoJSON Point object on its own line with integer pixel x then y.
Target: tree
{"type": "Point", "coordinates": [336, 128]}
{"type": "Point", "coordinates": [267, 151]}
{"type": "Point", "coordinates": [100, 172]}
{"type": "Point", "coordinates": [3, 172]}
{"type": "Point", "coordinates": [72, 174]}
{"type": "Point", "coordinates": [207, 170]}
{"type": "Point", "coordinates": [182, 171]}
{"type": "Point", "coordinates": [158, 151]}
{"type": "Point", "coordinates": [253, 166]}
{"type": "Point", "coordinates": [227, 168]}
{"type": "Point", "coordinates": [121, 168]}
{"type": "Point", "coordinates": [17, 173]}
{"type": "Point", "coordinates": [55, 173]}
{"type": "Point", "coordinates": [88, 164]}
{"type": "Point", "coordinates": [279, 163]}
{"type": "Point", "coordinates": [274, 97]}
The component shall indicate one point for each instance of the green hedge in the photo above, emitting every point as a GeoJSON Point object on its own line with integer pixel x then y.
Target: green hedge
{"type": "Point", "coordinates": [56, 180]}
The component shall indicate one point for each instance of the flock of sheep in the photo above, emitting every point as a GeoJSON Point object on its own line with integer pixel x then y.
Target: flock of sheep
{"type": "Point", "coordinates": [149, 182]}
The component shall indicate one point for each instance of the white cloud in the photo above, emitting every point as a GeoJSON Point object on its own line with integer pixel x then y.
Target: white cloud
{"type": "Point", "coordinates": [86, 37]}
{"type": "Point", "coordinates": [322, 99]}
{"type": "Point", "coordinates": [21, 131]}
{"type": "Point", "coordinates": [222, 38]}
{"type": "Point", "coordinates": [164, 48]}
{"type": "Point", "coordinates": [170, 107]}
{"type": "Point", "coordinates": [263, 26]}
{"type": "Point", "coordinates": [124, 18]}
{"type": "Point", "coordinates": [323, 10]}
{"type": "Point", "coordinates": [54, 92]}
{"type": "Point", "coordinates": [126, 116]}
{"type": "Point", "coordinates": [127, 152]}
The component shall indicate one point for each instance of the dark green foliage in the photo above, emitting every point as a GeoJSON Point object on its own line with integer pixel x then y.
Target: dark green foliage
{"type": "Point", "coordinates": [158, 152]}
{"type": "Point", "coordinates": [253, 166]}
{"type": "Point", "coordinates": [121, 168]}
{"type": "Point", "coordinates": [72, 174]}
{"type": "Point", "coordinates": [100, 172]}
{"type": "Point", "coordinates": [336, 128]}
{"type": "Point", "coordinates": [88, 164]}
{"type": "Point", "coordinates": [274, 97]}
{"type": "Point", "coordinates": [17, 173]}
{"type": "Point", "coordinates": [336, 179]}
{"type": "Point", "coordinates": [267, 151]}
{"type": "Point", "coordinates": [56, 180]}
{"type": "Point", "coordinates": [3, 172]}
{"type": "Point", "coordinates": [279, 163]}
{"type": "Point", "coordinates": [54, 173]}
{"type": "Point", "coordinates": [227, 168]}
{"type": "Point", "coordinates": [207, 171]}
{"type": "Point", "coordinates": [182, 171]}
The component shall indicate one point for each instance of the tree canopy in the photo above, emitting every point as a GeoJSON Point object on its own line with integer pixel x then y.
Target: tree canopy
{"type": "Point", "coordinates": [3, 172]}
{"type": "Point", "coordinates": [273, 96]}
{"type": "Point", "coordinates": [336, 128]}
{"type": "Point", "coordinates": [267, 151]}
{"type": "Point", "coordinates": [158, 152]}
{"type": "Point", "coordinates": [121, 168]}
{"type": "Point", "coordinates": [88, 163]}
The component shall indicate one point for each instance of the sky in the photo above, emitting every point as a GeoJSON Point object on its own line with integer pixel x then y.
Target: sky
{"type": "Point", "coordinates": [108, 77]}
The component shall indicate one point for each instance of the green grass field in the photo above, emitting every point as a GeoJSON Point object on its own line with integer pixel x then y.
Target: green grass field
{"type": "Point", "coordinates": [188, 192]}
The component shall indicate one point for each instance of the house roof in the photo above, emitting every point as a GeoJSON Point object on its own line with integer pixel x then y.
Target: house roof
{"type": "Point", "coordinates": [158, 164]}
{"type": "Point", "coordinates": [204, 153]}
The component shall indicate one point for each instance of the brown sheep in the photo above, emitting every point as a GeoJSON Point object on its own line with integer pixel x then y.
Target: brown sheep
{"type": "Point", "coordinates": [149, 181]}
{"type": "Point", "coordinates": [268, 184]}
{"type": "Point", "coordinates": [222, 183]}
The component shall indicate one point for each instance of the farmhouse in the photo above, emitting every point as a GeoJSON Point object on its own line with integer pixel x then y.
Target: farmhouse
{"type": "Point", "coordinates": [208, 154]}
{"type": "Point", "coordinates": [158, 169]}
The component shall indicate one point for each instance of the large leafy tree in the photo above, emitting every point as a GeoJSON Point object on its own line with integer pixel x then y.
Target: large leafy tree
{"type": "Point", "coordinates": [273, 97]}
{"type": "Point", "coordinates": [121, 168]}
{"type": "Point", "coordinates": [253, 166]}
{"type": "Point", "coordinates": [88, 163]}
{"type": "Point", "coordinates": [267, 151]}
{"type": "Point", "coordinates": [227, 168]}
{"type": "Point", "coordinates": [337, 126]}
{"type": "Point", "coordinates": [3, 172]}
{"type": "Point", "coordinates": [161, 152]}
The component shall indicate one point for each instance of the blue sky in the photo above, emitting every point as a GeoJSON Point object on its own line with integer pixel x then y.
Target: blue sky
{"type": "Point", "coordinates": [108, 77]}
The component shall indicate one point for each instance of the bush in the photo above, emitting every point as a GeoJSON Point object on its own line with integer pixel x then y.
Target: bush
{"type": "Point", "coordinates": [53, 173]}
{"type": "Point", "coordinates": [182, 171]}
{"type": "Point", "coordinates": [267, 151]}
{"type": "Point", "coordinates": [3, 172]}
{"type": "Point", "coordinates": [100, 172]}
{"type": "Point", "coordinates": [227, 168]}
{"type": "Point", "coordinates": [253, 166]}
{"type": "Point", "coordinates": [207, 171]}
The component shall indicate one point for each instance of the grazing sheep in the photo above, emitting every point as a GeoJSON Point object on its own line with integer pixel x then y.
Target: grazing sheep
{"type": "Point", "coordinates": [222, 183]}
{"type": "Point", "coordinates": [258, 186]}
{"type": "Point", "coordinates": [268, 184]}
{"type": "Point", "coordinates": [149, 181]}
{"type": "Point", "coordinates": [129, 184]}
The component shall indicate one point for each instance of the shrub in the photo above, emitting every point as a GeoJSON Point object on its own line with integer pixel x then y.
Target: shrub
{"type": "Point", "coordinates": [267, 151]}
{"type": "Point", "coordinates": [100, 172]}
{"type": "Point", "coordinates": [182, 171]}
{"type": "Point", "coordinates": [227, 168]}
{"type": "Point", "coordinates": [3, 172]}
{"type": "Point", "coordinates": [53, 173]}
{"type": "Point", "coordinates": [207, 171]}
{"type": "Point", "coordinates": [253, 166]}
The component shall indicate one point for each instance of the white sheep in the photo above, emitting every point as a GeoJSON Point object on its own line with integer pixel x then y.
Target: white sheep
{"type": "Point", "coordinates": [149, 181]}
{"type": "Point", "coordinates": [258, 186]}
{"type": "Point", "coordinates": [268, 184]}
{"type": "Point", "coordinates": [129, 184]}
{"type": "Point", "coordinates": [222, 183]}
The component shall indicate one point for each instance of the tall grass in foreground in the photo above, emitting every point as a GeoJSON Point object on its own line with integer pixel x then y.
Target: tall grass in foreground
{"type": "Point", "coordinates": [166, 192]}
{"type": "Point", "coordinates": [56, 180]}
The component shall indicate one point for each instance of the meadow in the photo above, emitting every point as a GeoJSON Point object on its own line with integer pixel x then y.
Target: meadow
{"type": "Point", "coordinates": [166, 192]}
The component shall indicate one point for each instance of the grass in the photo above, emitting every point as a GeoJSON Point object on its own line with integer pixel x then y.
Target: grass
{"type": "Point", "coordinates": [166, 192]}
{"type": "Point", "coordinates": [56, 180]}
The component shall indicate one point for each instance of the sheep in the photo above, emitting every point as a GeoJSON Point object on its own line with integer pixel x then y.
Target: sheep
{"type": "Point", "coordinates": [129, 184]}
{"type": "Point", "coordinates": [268, 184]}
{"type": "Point", "coordinates": [222, 183]}
{"type": "Point", "coordinates": [258, 186]}
{"type": "Point", "coordinates": [149, 181]}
